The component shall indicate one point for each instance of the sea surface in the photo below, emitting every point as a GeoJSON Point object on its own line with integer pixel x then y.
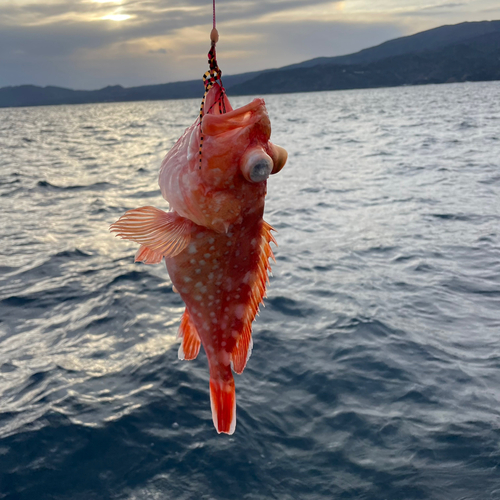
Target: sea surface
{"type": "Point", "coordinates": [375, 373]}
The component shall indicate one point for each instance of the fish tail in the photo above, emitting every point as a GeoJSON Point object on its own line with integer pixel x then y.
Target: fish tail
{"type": "Point", "coordinates": [223, 403]}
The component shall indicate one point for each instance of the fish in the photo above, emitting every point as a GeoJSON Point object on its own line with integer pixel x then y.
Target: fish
{"type": "Point", "coordinates": [214, 240]}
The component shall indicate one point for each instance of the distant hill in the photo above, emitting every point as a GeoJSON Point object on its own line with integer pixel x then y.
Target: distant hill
{"type": "Point", "coordinates": [433, 39]}
{"type": "Point", "coordinates": [32, 95]}
{"type": "Point", "coordinates": [455, 53]}
{"type": "Point", "coordinates": [476, 59]}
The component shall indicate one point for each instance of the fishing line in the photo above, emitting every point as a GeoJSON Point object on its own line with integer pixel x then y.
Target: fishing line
{"type": "Point", "coordinates": [210, 78]}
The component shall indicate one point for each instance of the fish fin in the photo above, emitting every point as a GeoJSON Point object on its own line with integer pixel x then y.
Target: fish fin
{"type": "Point", "coordinates": [242, 350]}
{"type": "Point", "coordinates": [158, 232]}
{"type": "Point", "coordinates": [147, 256]}
{"type": "Point", "coordinates": [190, 345]}
{"type": "Point", "coordinates": [223, 404]}
{"type": "Point", "coordinates": [243, 347]}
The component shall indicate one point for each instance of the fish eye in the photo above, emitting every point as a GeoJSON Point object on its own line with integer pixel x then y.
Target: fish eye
{"type": "Point", "coordinates": [257, 165]}
{"type": "Point", "coordinates": [260, 171]}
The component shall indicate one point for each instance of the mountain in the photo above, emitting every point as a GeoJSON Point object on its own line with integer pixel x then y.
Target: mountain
{"type": "Point", "coordinates": [433, 39]}
{"type": "Point", "coordinates": [476, 59]}
{"type": "Point", "coordinates": [32, 95]}
{"type": "Point", "coordinates": [455, 53]}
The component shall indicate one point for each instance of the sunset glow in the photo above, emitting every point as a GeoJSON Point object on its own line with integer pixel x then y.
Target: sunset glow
{"type": "Point", "coordinates": [89, 44]}
{"type": "Point", "coordinates": [116, 17]}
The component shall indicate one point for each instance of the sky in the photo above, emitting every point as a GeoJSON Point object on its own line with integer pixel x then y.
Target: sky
{"type": "Point", "coordinates": [89, 44]}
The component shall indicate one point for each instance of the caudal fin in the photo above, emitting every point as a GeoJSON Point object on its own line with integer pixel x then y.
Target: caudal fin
{"type": "Point", "coordinates": [223, 403]}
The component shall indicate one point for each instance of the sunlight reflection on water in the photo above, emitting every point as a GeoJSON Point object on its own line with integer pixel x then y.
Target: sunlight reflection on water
{"type": "Point", "coordinates": [375, 365]}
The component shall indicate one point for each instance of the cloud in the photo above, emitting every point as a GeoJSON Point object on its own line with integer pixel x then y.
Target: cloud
{"type": "Point", "coordinates": [433, 10]}
{"type": "Point", "coordinates": [158, 51]}
{"type": "Point", "coordinates": [93, 43]}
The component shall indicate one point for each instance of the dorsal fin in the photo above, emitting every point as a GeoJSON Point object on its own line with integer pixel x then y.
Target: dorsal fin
{"type": "Point", "coordinates": [243, 348]}
{"type": "Point", "coordinates": [159, 233]}
{"type": "Point", "coordinates": [190, 345]}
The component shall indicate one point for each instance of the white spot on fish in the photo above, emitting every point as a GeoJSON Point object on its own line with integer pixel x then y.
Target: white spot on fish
{"type": "Point", "coordinates": [187, 279]}
{"type": "Point", "coordinates": [198, 271]}
{"type": "Point", "coordinates": [212, 248]}
{"type": "Point", "coordinates": [224, 357]}
{"type": "Point", "coordinates": [193, 261]}
{"type": "Point", "coordinates": [214, 321]}
{"type": "Point", "coordinates": [197, 298]}
{"type": "Point", "coordinates": [211, 240]}
{"type": "Point", "coordinates": [207, 256]}
{"type": "Point", "coordinates": [198, 285]}
{"type": "Point", "coordinates": [239, 311]}
{"type": "Point", "coordinates": [229, 243]}
{"type": "Point", "coordinates": [202, 262]}
{"type": "Point", "coordinates": [200, 235]}
{"type": "Point", "coordinates": [192, 248]}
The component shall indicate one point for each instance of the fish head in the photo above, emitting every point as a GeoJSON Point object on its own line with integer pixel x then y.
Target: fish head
{"type": "Point", "coordinates": [216, 174]}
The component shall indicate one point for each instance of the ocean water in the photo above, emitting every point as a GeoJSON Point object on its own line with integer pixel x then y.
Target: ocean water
{"type": "Point", "coordinates": [375, 372]}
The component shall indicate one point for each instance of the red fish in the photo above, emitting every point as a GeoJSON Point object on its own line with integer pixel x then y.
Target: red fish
{"type": "Point", "coordinates": [215, 241]}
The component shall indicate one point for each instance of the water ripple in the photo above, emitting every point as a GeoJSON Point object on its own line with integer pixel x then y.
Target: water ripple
{"type": "Point", "coordinates": [375, 366]}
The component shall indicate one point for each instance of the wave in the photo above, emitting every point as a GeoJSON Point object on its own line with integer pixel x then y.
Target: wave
{"type": "Point", "coordinates": [97, 186]}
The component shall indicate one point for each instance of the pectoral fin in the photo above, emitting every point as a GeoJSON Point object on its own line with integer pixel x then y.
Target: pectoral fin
{"type": "Point", "coordinates": [159, 233]}
{"type": "Point", "coordinates": [148, 256]}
